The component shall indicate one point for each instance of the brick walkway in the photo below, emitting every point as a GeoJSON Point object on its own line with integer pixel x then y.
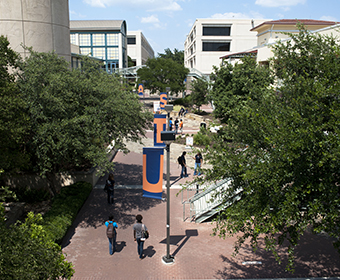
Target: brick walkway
{"type": "Point", "coordinates": [198, 255]}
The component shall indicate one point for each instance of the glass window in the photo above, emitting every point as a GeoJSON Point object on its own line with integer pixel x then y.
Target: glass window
{"type": "Point", "coordinates": [216, 30]}
{"type": "Point", "coordinates": [112, 39]}
{"type": "Point", "coordinates": [98, 39]}
{"type": "Point", "coordinates": [84, 39]}
{"type": "Point", "coordinates": [112, 53]}
{"type": "Point", "coordinates": [99, 53]}
{"type": "Point", "coordinates": [85, 51]}
{"type": "Point", "coordinates": [216, 46]}
{"type": "Point", "coordinates": [131, 40]}
{"type": "Point", "coordinates": [73, 39]}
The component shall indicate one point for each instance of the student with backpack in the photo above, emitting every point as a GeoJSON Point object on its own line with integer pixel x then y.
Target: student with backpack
{"type": "Point", "coordinates": [182, 163]}
{"type": "Point", "coordinates": [111, 234]}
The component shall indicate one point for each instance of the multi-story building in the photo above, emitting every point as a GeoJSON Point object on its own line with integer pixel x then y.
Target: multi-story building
{"type": "Point", "coordinates": [138, 48]}
{"type": "Point", "coordinates": [270, 32]}
{"type": "Point", "coordinates": [101, 39]}
{"type": "Point", "coordinates": [209, 39]}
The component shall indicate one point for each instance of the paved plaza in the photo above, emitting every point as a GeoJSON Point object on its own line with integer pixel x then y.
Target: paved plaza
{"type": "Point", "coordinates": [198, 254]}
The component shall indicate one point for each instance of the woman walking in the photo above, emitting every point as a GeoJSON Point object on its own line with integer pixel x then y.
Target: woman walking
{"type": "Point", "coordinates": [110, 188]}
{"type": "Point", "coordinates": [138, 229]}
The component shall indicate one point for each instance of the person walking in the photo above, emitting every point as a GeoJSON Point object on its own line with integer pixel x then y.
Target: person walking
{"type": "Point", "coordinates": [110, 188]}
{"type": "Point", "coordinates": [170, 124]}
{"type": "Point", "coordinates": [182, 162]}
{"type": "Point", "coordinates": [176, 125]}
{"type": "Point", "coordinates": [198, 163]}
{"type": "Point", "coordinates": [181, 126]}
{"type": "Point", "coordinates": [111, 234]}
{"type": "Point", "coordinates": [138, 229]}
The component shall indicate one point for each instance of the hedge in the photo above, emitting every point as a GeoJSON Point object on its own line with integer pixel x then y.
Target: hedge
{"type": "Point", "coordinates": [64, 209]}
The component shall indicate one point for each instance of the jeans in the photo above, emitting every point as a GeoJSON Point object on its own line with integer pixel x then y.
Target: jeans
{"type": "Point", "coordinates": [110, 196]}
{"type": "Point", "coordinates": [140, 245]}
{"type": "Point", "coordinates": [184, 171]}
{"type": "Point", "coordinates": [197, 166]}
{"type": "Point", "coordinates": [112, 245]}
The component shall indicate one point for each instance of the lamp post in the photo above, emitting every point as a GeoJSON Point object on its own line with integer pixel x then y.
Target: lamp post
{"type": "Point", "coordinates": [167, 137]}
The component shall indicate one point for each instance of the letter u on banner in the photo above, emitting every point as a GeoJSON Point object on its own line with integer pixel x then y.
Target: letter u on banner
{"type": "Point", "coordinates": [153, 159]}
{"type": "Point", "coordinates": [159, 123]}
{"type": "Point", "coordinates": [163, 99]}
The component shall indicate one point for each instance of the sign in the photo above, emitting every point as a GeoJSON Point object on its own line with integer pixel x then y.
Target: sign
{"type": "Point", "coordinates": [141, 90]}
{"type": "Point", "coordinates": [189, 141]}
{"type": "Point", "coordinates": [156, 106]}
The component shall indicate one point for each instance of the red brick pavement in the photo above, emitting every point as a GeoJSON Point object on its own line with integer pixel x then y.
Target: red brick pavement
{"type": "Point", "coordinates": [198, 255]}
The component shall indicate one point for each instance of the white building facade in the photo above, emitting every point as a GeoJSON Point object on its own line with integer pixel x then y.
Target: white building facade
{"type": "Point", "coordinates": [138, 48]}
{"type": "Point", "coordinates": [209, 39]}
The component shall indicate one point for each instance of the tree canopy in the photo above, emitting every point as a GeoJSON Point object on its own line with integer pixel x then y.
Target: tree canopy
{"type": "Point", "coordinates": [66, 118]}
{"type": "Point", "coordinates": [177, 56]}
{"type": "Point", "coordinates": [284, 159]}
{"type": "Point", "coordinates": [161, 73]}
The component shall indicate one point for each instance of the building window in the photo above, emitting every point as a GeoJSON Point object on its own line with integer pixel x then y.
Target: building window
{"type": "Point", "coordinates": [73, 39]}
{"type": "Point", "coordinates": [216, 30]}
{"type": "Point", "coordinates": [112, 53]}
{"type": "Point", "coordinates": [84, 39]}
{"type": "Point", "coordinates": [98, 39]}
{"type": "Point", "coordinates": [131, 40]}
{"type": "Point", "coordinates": [85, 51]}
{"type": "Point", "coordinates": [99, 53]}
{"type": "Point", "coordinates": [216, 46]}
{"type": "Point", "coordinates": [112, 39]}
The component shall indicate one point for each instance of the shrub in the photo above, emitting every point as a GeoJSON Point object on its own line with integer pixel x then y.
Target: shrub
{"type": "Point", "coordinates": [201, 138]}
{"type": "Point", "coordinates": [65, 207]}
{"type": "Point", "coordinates": [31, 195]}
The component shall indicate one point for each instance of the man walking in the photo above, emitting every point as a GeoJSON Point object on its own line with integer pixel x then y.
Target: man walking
{"type": "Point", "coordinates": [182, 162]}
{"type": "Point", "coordinates": [111, 234]}
{"type": "Point", "coordinates": [198, 163]}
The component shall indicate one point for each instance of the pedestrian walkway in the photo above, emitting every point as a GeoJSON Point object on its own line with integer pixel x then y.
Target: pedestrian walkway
{"type": "Point", "coordinates": [198, 254]}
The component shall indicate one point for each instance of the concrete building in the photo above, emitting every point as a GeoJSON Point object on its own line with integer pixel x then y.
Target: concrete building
{"type": "Point", "coordinates": [209, 39]}
{"type": "Point", "coordinates": [138, 48]}
{"type": "Point", "coordinates": [41, 24]}
{"type": "Point", "coordinates": [270, 32]}
{"type": "Point", "coordinates": [101, 39]}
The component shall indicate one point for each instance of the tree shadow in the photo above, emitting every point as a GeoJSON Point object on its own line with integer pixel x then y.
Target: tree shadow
{"type": "Point", "coordinates": [175, 239]}
{"type": "Point", "coordinates": [314, 257]}
{"type": "Point", "coordinates": [96, 210]}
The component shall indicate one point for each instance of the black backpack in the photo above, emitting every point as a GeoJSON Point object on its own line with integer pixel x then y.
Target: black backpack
{"type": "Point", "coordinates": [110, 231]}
{"type": "Point", "coordinates": [180, 160]}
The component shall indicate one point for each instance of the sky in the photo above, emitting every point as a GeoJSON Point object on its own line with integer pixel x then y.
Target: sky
{"type": "Point", "coordinates": [166, 23]}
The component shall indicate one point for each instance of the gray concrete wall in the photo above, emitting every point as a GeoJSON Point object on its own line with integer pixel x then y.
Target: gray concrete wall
{"type": "Point", "coordinates": [41, 24]}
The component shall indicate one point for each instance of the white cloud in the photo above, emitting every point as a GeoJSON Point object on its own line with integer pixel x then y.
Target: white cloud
{"type": "Point", "coordinates": [329, 18]}
{"type": "Point", "coordinates": [279, 3]}
{"type": "Point", "coordinates": [77, 14]}
{"type": "Point", "coordinates": [237, 15]}
{"type": "Point", "coordinates": [150, 19]}
{"type": "Point", "coordinates": [149, 5]}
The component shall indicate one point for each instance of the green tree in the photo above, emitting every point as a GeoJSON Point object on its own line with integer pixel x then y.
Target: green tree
{"type": "Point", "coordinates": [284, 162]}
{"type": "Point", "coordinates": [199, 92]}
{"type": "Point", "coordinates": [176, 55]}
{"type": "Point", "coordinates": [160, 73]}
{"type": "Point", "coordinates": [27, 253]}
{"type": "Point", "coordinates": [233, 86]}
{"type": "Point", "coordinates": [131, 63]}
{"type": "Point", "coordinates": [74, 115]}
{"type": "Point", "coordinates": [13, 119]}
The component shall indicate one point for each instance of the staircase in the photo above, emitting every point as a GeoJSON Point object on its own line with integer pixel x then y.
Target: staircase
{"type": "Point", "coordinates": [209, 202]}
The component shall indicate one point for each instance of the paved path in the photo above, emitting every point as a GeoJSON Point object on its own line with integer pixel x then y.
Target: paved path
{"type": "Point", "coordinates": [198, 255]}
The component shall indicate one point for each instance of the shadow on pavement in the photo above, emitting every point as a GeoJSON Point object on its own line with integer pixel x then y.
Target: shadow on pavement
{"type": "Point", "coordinates": [96, 210]}
{"type": "Point", "coordinates": [313, 258]}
